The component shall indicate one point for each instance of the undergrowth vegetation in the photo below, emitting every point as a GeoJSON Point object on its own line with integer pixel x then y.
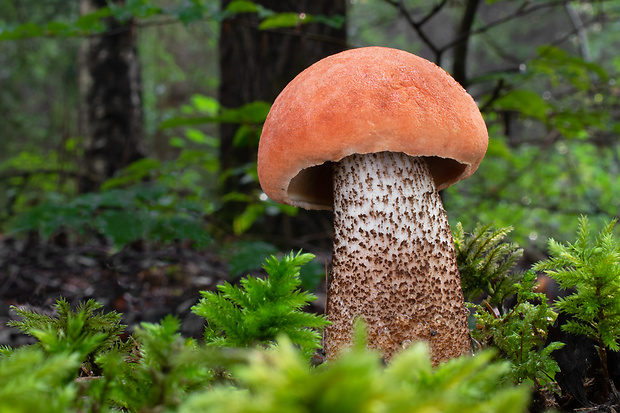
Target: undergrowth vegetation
{"type": "Point", "coordinates": [258, 347]}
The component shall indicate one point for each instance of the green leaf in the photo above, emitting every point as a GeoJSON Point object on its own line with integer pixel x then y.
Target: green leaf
{"type": "Point", "coordinates": [177, 142]}
{"type": "Point", "coordinates": [181, 228]}
{"type": "Point", "coordinates": [563, 68]}
{"type": "Point", "coordinates": [122, 227]}
{"type": "Point", "coordinates": [485, 262]}
{"type": "Point", "coordinates": [252, 113]}
{"type": "Point", "coordinates": [84, 331]}
{"type": "Point", "coordinates": [187, 121]}
{"type": "Point", "coordinates": [205, 104]}
{"type": "Point", "coordinates": [197, 136]}
{"type": "Point", "coordinates": [499, 149]}
{"type": "Point", "coordinates": [192, 13]}
{"type": "Point", "coordinates": [335, 21]}
{"type": "Point", "coordinates": [93, 22]}
{"type": "Point", "coordinates": [133, 8]}
{"type": "Point", "coordinates": [135, 173]}
{"type": "Point", "coordinates": [282, 20]}
{"type": "Point", "coordinates": [525, 102]}
{"type": "Point", "coordinates": [22, 31]}
{"type": "Point", "coordinates": [312, 274]}
{"type": "Point", "coordinates": [245, 136]}
{"type": "Point", "coordinates": [243, 221]}
{"type": "Point", "coordinates": [57, 28]}
{"type": "Point", "coordinates": [242, 6]}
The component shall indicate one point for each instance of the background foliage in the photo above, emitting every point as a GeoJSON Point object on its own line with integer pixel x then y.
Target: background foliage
{"type": "Point", "coordinates": [543, 74]}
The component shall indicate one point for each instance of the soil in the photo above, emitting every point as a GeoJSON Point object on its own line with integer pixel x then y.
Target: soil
{"type": "Point", "coordinates": [144, 283]}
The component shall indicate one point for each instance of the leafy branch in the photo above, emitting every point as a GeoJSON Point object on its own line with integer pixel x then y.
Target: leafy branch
{"type": "Point", "coordinates": [96, 23]}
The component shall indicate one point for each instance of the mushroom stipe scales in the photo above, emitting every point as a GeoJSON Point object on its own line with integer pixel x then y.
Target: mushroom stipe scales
{"type": "Point", "coordinates": [393, 259]}
{"type": "Point", "coordinates": [373, 134]}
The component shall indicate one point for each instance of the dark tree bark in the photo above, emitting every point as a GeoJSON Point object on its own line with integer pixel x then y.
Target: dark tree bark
{"type": "Point", "coordinates": [256, 65]}
{"type": "Point", "coordinates": [111, 109]}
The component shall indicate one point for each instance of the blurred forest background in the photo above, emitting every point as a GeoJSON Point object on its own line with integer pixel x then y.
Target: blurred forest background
{"type": "Point", "coordinates": [129, 131]}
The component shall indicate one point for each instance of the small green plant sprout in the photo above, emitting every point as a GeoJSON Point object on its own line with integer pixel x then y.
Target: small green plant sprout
{"type": "Point", "coordinates": [84, 331]}
{"type": "Point", "coordinates": [255, 312]}
{"type": "Point", "coordinates": [517, 330]}
{"type": "Point", "coordinates": [155, 372]}
{"type": "Point", "coordinates": [32, 381]}
{"type": "Point", "coordinates": [164, 369]}
{"type": "Point", "coordinates": [485, 261]}
{"type": "Point", "coordinates": [590, 267]}
{"type": "Point", "coordinates": [279, 380]}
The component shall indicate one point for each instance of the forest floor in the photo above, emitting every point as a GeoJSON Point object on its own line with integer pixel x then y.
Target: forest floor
{"type": "Point", "coordinates": [141, 282]}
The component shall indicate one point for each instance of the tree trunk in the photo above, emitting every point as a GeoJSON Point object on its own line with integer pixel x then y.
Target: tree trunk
{"type": "Point", "coordinates": [256, 64]}
{"type": "Point", "coordinates": [111, 103]}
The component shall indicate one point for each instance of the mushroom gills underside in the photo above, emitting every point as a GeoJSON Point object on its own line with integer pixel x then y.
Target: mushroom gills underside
{"type": "Point", "coordinates": [312, 187]}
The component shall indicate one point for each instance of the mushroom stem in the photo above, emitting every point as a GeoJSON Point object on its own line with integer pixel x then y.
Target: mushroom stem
{"type": "Point", "coordinates": [394, 263]}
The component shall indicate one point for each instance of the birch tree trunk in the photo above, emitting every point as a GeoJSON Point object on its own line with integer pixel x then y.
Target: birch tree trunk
{"type": "Point", "coordinates": [111, 122]}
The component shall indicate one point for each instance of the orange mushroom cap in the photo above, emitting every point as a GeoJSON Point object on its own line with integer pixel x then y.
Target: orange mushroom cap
{"type": "Point", "coordinates": [366, 100]}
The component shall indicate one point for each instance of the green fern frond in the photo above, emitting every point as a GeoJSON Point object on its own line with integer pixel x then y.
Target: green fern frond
{"type": "Point", "coordinates": [168, 367]}
{"type": "Point", "coordinates": [486, 261]}
{"type": "Point", "coordinates": [5, 351]}
{"type": "Point", "coordinates": [258, 310]}
{"type": "Point", "coordinates": [591, 267]}
{"type": "Point", "coordinates": [84, 330]}
{"type": "Point", "coordinates": [31, 381]}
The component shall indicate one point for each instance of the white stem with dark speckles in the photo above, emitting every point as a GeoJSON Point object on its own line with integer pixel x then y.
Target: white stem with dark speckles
{"type": "Point", "coordinates": [393, 259]}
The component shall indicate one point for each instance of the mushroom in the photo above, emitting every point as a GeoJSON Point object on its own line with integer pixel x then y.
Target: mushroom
{"type": "Point", "coordinates": [374, 133]}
